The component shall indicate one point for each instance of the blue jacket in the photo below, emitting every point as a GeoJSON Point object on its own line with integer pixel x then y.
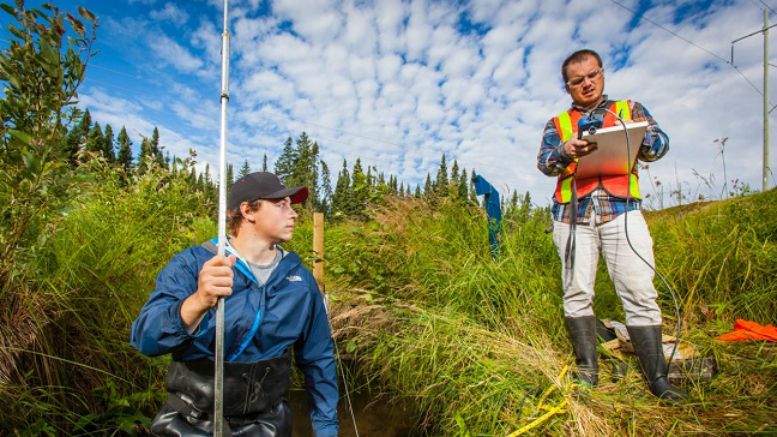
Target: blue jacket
{"type": "Point", "coordinates": [260, 323]}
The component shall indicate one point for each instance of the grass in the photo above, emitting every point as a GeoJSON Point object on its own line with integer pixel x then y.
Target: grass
{"type": "Point", "coordinates": [430, 317]}
{"type": "Point", "coordinates": [75, 373]}
{"type": "Point", "coordinates": [423, 314]}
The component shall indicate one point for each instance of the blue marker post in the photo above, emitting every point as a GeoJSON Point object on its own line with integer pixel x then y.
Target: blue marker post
{"type": "Point", "coordinates": [493, 209]}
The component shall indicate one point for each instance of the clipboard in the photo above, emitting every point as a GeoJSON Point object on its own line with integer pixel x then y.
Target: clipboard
{"type": "Point", "coordinates": [610, 157]}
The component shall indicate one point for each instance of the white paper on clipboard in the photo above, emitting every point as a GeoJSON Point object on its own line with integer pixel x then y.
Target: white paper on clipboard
{"type": "Point", "coordinates": [610, 158]}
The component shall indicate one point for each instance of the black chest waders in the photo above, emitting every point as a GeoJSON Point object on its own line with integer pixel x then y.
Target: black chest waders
{"type": "Point", "coordinates": [254, 404]}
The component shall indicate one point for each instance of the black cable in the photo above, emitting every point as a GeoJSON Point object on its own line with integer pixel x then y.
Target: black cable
{"type": "Point", "coordinates": [642, 17]}
{"type": "Point", "coordinates": [768, 7]}
{"type": "Point", "coordinates": [628, 239]}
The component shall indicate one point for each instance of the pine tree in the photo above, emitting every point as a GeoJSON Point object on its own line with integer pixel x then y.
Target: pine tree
{"type": "Point", "coordinates": [264, 163]}
{"type": "Point", "coordinates": [107, 149]}
{"type": "Point", "coordinates": [230, 176]}
{"type": "Point", "coordinates": [244, 170]}
{"type": "Point", "coordinates": [428, 187]}
{"type": "Point", "coordinates": [524, 208]}
{"type": "Point", "coordinates": [125, 149]}
{"type": "Point", "coordinates": [325, 202]}
{"type": "Point", "coordinates": [94, 142]}
{"type": "Point", "coordinates": [343, 195]}
{"type": "Point", "coordinates": [81, 136]}
{"type": "Point", "coordinates": [154, 150]}
{"type": "Point", "coordinates": [360, 190]}
{"type": "Point", "coordinates": [417, 191]}
{"type": "Point", "coordinates": [463, 186]}
{"type": "Point", "coordinates": [209, 187]}
{"type": "Point", "coordinates": [145, 157]}
{"type": "Point", "coordinates": [73, 145]}
{"type": "Point", "coordinates": [454, 183]}
{"type": "Point", "coordinates": [441, 183]}
{"type": "Point", "coordinates": [284, 166]}
{"type": "Point", "coordinates": [311, 174]}
{"type": "Point", "coordinates": [472, 193]}
{"type": "Point", "coordinates": [85, 126]}
{"type": "Point", "coordinates": [304, 168]}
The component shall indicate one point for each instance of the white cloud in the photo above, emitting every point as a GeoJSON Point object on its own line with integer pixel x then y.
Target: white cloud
{"type": "Point", "coordinates": [171, 13]}
{"type": "Point", "coordinates": [176, 55]}
{"type": "Point", "coordinates": [399, 83]}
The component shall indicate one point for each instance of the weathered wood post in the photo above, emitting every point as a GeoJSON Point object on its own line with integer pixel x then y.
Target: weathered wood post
{"type": "Point", "coordinates": [318, 248]}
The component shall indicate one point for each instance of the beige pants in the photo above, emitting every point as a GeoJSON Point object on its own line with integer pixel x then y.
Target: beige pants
{"type": "Point", "coordinates": [633, 278]}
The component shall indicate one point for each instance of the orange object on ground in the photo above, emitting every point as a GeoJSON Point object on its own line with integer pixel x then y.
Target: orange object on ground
{"type": "Point", "coordinates": [745, 330]}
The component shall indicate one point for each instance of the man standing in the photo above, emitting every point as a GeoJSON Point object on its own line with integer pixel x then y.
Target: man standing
{"type": "Point", "coordinates": [599, 221]}
{"type": "Point", "coordinates": [272, 305]}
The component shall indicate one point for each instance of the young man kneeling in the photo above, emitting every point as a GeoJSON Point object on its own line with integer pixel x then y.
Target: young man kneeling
{"type": "Point", "coordinates": [272, 305]}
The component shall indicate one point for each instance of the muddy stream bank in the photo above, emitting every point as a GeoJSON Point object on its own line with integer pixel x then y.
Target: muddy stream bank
{"type": "Point", "coordinates": [374, 418]}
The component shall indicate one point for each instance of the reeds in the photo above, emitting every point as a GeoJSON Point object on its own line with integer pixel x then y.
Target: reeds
{"type": "Point", "coordinates": [424, 315]}
{"type": "Point", "coordinates": [432, 320]}
{"type": "Point", "coordinates": [70, 370]}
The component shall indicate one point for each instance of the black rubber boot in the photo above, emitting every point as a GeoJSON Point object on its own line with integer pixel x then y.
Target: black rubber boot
{"type": "Point", "coordinates": [649, 350]}
{"type": "Point", "coordinates": [582, 330]}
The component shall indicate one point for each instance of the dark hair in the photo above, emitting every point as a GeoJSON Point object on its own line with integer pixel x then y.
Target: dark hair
{"type": "Point", "coordinates": [578, 56]}
{"type": "Point", "coordinates": [235, 217]}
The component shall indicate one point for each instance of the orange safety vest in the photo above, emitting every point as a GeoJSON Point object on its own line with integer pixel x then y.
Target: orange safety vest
{"type": "Point", "coordinates": [618, 186]}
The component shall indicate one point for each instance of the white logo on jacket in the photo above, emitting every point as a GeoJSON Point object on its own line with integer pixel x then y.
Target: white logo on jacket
{"type": "Point", "coordinates": [293, 278]}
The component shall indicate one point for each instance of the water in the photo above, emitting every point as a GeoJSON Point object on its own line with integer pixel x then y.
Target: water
{"type": "Point", "coordinates": [374, 417]}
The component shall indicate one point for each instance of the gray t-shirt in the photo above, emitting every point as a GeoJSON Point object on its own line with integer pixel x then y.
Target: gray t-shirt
{"type": "Point", "coordinates": [261, 272]}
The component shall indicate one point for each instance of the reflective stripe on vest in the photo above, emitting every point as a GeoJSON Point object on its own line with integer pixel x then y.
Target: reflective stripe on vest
{"type": "Point", "coordinates": [566, 124]}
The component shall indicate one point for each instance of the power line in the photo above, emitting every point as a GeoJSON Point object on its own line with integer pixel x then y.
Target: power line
{"type": "Point", "coordinates": [767, 6]}
{"type": "Point", "coordinates": [747, 80]}
{"type": "Point", "coordinates": [642, 17]}
{"type": "Point", "coordinates": [112, 86]}
{"type": "Point", "coordinates": [114, 71]}
{"type": "Point", "coordinates": [756, 5]}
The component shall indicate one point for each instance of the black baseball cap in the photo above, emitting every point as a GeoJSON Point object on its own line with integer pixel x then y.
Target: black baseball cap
{"type": "Point", "coordinates": [262, 185]}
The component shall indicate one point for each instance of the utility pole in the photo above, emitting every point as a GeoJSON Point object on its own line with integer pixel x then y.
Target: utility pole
{"type": "Point", "coordinates": [766, 102]}
{"type": "Point", "coordinates": [767, 110]}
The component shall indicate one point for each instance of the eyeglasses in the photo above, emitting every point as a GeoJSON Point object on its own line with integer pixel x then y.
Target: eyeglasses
{"type": "Point", "coordinates": [576, 82]}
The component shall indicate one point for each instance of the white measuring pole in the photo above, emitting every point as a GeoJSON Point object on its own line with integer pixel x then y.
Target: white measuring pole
{"type": "Point", "coordinates": [218, 389]}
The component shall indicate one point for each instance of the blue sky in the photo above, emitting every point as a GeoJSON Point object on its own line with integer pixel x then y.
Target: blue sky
{"type": "Point", "coordinates": [399, 83]}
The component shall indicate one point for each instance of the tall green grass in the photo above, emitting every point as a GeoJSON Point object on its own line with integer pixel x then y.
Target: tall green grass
{"type": "Point", "coordinates": [422, 312]}
{"type": "Point", "coordinates": [428, 317]}
{"type": "Point", "coordinates": [76, 373]}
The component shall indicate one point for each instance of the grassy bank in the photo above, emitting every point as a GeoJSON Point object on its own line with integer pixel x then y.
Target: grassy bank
{"type": "Point", "coordinates": [422, 312]}
{"type": "Point", "coordinates": [73, 372]}
{"type": "Point", "coordinates": [474, 343]}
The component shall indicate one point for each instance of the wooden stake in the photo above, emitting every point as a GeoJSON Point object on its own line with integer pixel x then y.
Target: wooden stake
{"type": "Point", "coordinates": [318, 248]}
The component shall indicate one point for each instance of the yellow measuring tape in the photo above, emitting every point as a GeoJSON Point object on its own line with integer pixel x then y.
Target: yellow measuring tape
{"type": "Point", "coordinates": [549, 414]}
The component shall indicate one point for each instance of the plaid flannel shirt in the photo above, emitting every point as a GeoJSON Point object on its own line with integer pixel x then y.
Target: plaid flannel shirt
{"type": "Point", "coordinates": [552, 160]}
